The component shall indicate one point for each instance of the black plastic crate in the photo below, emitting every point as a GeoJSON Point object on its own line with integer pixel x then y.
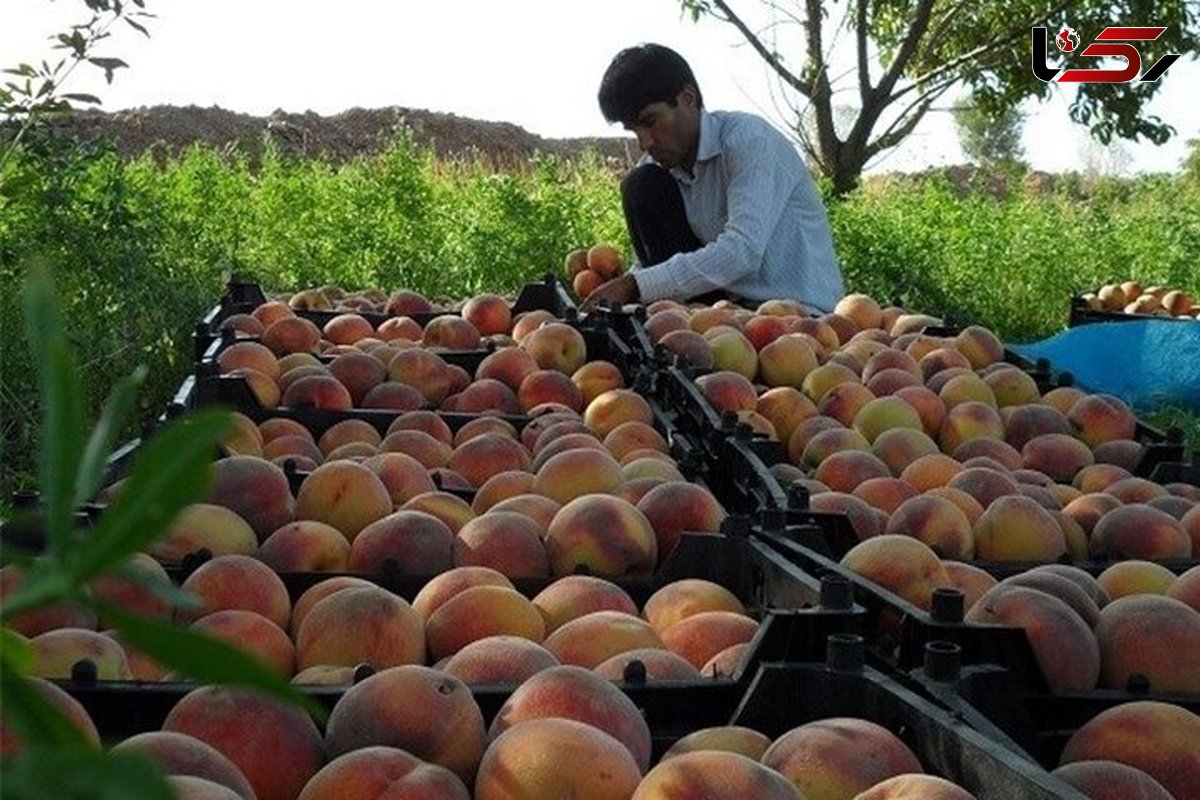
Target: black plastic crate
{"type": "Point", "coordinates": [242, 297]}
{"type": "Point", "coordinates": [797, 614]}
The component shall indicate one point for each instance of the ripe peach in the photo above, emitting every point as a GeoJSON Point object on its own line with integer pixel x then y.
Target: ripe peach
{"type": "Point", "coordinates": [785, 407]}
{"type": "Point", "coordinates": [356, 625]}
{"type": "Point", "coordinates": [678, 506]}
{"type": "Point", "coordinates": [844, 401]}
{"type": "Point", "coordinates": [726, 738]}
{"type": "Point", "coordinates": [573, 693]}
{"type": "Point", "coordinates": [343, 494]}
{"type": "Point", "coordinates": [1016, 528]}
{"type": "Point", "coordinates": [409, 541]}
{"type": "Point", "coordinates": [478, 612]}
{"type": "Point", "coordinates": [177, 754]}
{"type": "Point", "coordinates": [556, 757]}
{"type": "Point", "coordinates": [614, 407]}
{"type": "Point", "coordinates": [1133, 577]}
{"type": "Point", "coordinates": [1186, 588]}
{"type": "Point", "coordinates": [700, 636]}
{"type": "Point", "coordinates": [499, 660]}
{"type": "Point", "coordinates": [449, 508]}
{"type": "Point", "coordinates": [595, 637]}
{"type": "Point", "coordinates": [375, 772]}
{"type": "Point", "coordinates": [237, 582]}
{"type": "Point", "coordinates": [656, 665]}
{"type": "Point", "coordinates": [403, 476]}
{"type": "Point", "coordinates": [488, 313]}
{"type": "Point", "coordinates": [1012, 387]}
{"type": "Point", "coordinates": [306, 546]}
{"type": "Point", "coordinates": [252, 633]}
{"type": "Point", "coordinates": [445, 585]}
{"type": "Point", "coordinates": [276, 746]}
{"type": "Point", "coordinates": [506, 541]}
{"type": "Point", "coordinates": [969, 420]}
{"type": "Point", "coordinates": [1139, 531]}
{"type": "Point", "coordinates": [539, 508]}
{"type": "Point", "coordinates": [56, 651]}
{"type": "Point", "coordinates": [884, 494]}
{"type": "Point", "coordinates": [1157, 738]}
{"type": "Point", "coordinates": [556, 345]}
{"type": "Point", "coordinates": [865, 520]}
{"type": "Point", "coordinates": [844, 470]}
{"type": "Point", "coordinates": [930, 471]}
{"type": "Point", "coordinates": [938, 523]}
{"type": "Point", "coordinates": [816, 757]}
{"type": "Point", "coordinates": [972, 581]}
{"type": "Point", "coordinates": [825, 443]}
{"type": "Point", "coordinates": [861, 309]}
{"type": "Point", "coordinates": [573, 596]}
{"type": "Point", "coordinates": [578, 472]}
{"type": "Point", "coordinates": [1111, 780]}
{"type": "Point", "coordinates": [1153, 636]}
{"type": "Point", "coordinates": [423, 711]}
{"type": "Point", "coordinates": [985, 484]}
{"type": "Point", "coordinates": [928, 405]}
{"type": "Point", "coordinates": [393, 396]}
{"type": "Point", "coordinates": [254, 489]}
{"type": "Point", "coordinates": [714, 774]}
{"type": "Point", "coordinates": [901, 564]}
{"type": "Point", "coordinates": [1102, 418]}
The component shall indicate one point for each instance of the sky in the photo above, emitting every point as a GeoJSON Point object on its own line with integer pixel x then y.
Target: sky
{"type": "Point", "coordinates": [534, 63]}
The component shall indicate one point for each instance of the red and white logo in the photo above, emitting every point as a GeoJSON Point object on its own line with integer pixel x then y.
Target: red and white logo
{"type": "Point", "coordinates": [1113, 42]}
{"type": "Point", "coordinates": [1067, 39]}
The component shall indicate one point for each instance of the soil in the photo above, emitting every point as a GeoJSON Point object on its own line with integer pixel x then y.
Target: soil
{"type": "Point", "coordinates": [166, 131]}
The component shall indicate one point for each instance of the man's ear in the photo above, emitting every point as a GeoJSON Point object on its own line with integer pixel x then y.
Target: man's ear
{"type": "Point", "coordinates": [686, 97]}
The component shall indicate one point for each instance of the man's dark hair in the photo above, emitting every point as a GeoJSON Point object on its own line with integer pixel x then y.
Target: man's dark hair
{"type": "Point", "coordinates": [641, 75]}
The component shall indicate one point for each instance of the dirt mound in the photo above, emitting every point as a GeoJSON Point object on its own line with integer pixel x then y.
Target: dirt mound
{"type": "Point", "coordinates": [166, 131]}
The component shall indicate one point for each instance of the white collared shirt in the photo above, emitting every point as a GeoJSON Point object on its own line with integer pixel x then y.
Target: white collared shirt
{"type": "Point", "coordinates": [753, 203]}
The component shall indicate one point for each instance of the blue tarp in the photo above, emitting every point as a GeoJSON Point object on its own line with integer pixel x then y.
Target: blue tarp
{"type": "Point", "coordinates": [1147, 363]}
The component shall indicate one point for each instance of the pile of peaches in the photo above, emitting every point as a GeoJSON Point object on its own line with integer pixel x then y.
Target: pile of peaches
{"type": "Point", "coordinates": [1130, 297]}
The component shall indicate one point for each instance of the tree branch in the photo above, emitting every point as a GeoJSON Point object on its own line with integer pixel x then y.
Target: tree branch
{"type": "Point", "coordinates": [802, 86]}
{"type": "Point", "coordinates": [907, 49]}
{"type": "Point", "coordinates": [908, 119]}
{"type": "Point", "coordinates": [864, 72]}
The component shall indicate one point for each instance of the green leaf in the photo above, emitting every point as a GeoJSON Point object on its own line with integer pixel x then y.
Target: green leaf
{"type": "Point", "coordinates": [204, 658]}
{"type": "Point", "coordinates": [172, 471]}
{"type": "Point", "coordinates": [31, 715]}
{"type": "Point", "coordinates": [17, 651]}
{"type": "Point", "coordinates": [137, 27]}
{"type": "Point", "coordinates": [82, 98]}
{"type": "Point", "coordinates": [62, 429]}
{"type": "Point", "coordinates": [83, 773]}
{"type": "Point", "coordinates": [112, 419]}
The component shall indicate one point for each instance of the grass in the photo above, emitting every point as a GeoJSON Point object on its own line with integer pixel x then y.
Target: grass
{"type": "Point", "coordinates": [143, 249]}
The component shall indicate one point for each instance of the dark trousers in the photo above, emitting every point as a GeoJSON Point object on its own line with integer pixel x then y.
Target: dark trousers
{"type": "Point", "coordinates": [657, 220]}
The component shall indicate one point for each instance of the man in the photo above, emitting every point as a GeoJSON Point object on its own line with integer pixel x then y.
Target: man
{"type": "Point", "coordinates": [721, 204]}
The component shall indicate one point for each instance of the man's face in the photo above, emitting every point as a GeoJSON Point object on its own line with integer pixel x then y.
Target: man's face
{"type": "Point", "coordinates": [670, 133]}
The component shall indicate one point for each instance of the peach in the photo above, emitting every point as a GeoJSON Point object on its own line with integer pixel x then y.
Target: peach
{"type": "Point", "coordinates": [423, 711]}
{"type": "Point", "coordinates": [1152, 636]}
{"type": "Point", "coordinates": [1157, 738]}
{"type": "Point", "coordinates": [844, 401]}
{"type": "Point", "coordinates": [1139, 531]}
{"type": "Point", "coordinates": [481, 425]}
{"type": "Point", "coordinates": [423, 370]}
{"type": "Point", "coordinates": [1135, 490]}
{"type": "Point", "coordinates": [725, 738]}
{"type": "Point", "coordinates": [1012, 387]}
{"type": "Point", "coordinates": [969, 420]}
{"type": "Point", "coordinates": [488, 313]}
{"type": "Point", "coordinates": [938, 523]}
{"type": "Point", "coordinates": [972, 581]}
{"type": "Point", "coordinates": [1023, 423]}
{"type": "Point", "coordinates": [375, 772]}
{"type": "Point", "coordinates": [306, 546]}
{"type": "Point", "coordinates": [885, 414]}
{"type": "Point", "coordinates": [405, 303]}
{"type": "Point", "coordinates": [345, 495]}
{"type": "Point", "coordinates": [677, 506]}
{"type": "Point", "coordinates": [861, 309]}
{"type": "Point", "coordinates": [1098, 477]}
{"type": "Point", "coordinates": [573, 693]}
{"type": "Point", "coordinates": [985, 484]}
{"type": "Point", "coordinates": [573, 596]}
{"type": "Point", "coordinates": [1102, 418]}
{"type": "Point", "coordinates": [901, 564]}
{"type": "Point", "coordinates": [359, 373]}
{"type": "Point", "coordinates": [595, 637]}
{"type": "Point", "coordinates": [393, 396]}
{"type": "Point", "coordinates": [509, 365]}
{"type": "Point", "coordinates": [537, 507]}
{"type": "Point", "coordinates": [360, 624]}
{"type": "Point", "coordinates": [1133, 577]}
{"type": "Point", "coordinates": [889, 381]}
{"type": "Point", "coordinates": [317, 391]}
{"type": "Point", "coordinates": [1186, 588]}
{"type": "Point", "coordinates": [238, 582]}
{"type": "Point", "coordinates": [55, 652]}
{"type": "Point", "coordinates": [825, 443]}
{"type": "Point", "coordinates": [346, 431]}
{"type": "Point", "coordinates": [136, 585]}
{"type": "Point", "coordinates": [292, 335]}
{"type": "Point", "coordinates": [178, 754]}
{"type": "Point", "coordinates": [1063, 645]}
{"type": "Point", "coordinates": [889, 359]}
{"type": "Point", "coordinates": [1057, 455]}
{"type": "Point", "coordinates": [408, 541]}
{"type": "Point", "coordinates": [548, 386]}
{"type": "Point", "coordinates": [478, 612]}
{"type": "Point", "coordinates": [1089, 508]}
{"type": "Point", "coordinates": [762, 329]}
{"type": "Point", "coordinates": [1062, 398]}
{"type": "Point", "coordinates": [506, 541]}
{"type": "Point", "coordinates": [884, 494]}
{"type": "Point", "coordinates": [445, 585]}
{"type": "Point", "coordinates": [727, 391]}
{"type": "Point", "coordinates": [786, 361]}
{"type": "Point", "coordinates": [865, 520]}
{"type": "Point", "coordinates": [963, 388]}
{"type": "Point", "coordinates": [276, 746]}
{"type": "Point", "coordinates": [728, 663]}
{"type": "Point", "coordinates": [714, 774]}
{"type": "Point", "coordinates": [448, 332]}
{"type": "Point", "coordinates": [399, 327]}
{"type": "Point", "coordinates": [640, 464]}
{"type": "Point", "coordinates": [634, 435]}
{"type": "Point", "coordinates": [808, 428]}
{"type": "Point", "coordinates": [1016, 528]}
{"type": "Point", "coordinates": [928, 405]}
{"type": "Point", "coordinates": [1075, 596]}
{"type": "Point", "coordinates": [319, 591]}
{"type": "Point", "coordinates": [449, 508]}
{"type": "Point", "coordinates": [785, 407]}
{"type": "Point", "coordinates": [578, 472]}
{"type": "Point", "coordinates": [930, 471]}
{"type": "Point", "coordinates": [248, 355]}
{"type": "Point", "coordinates": [612, 408]}
{"type": "Point", "coordinates": [431, 452]}
{"type": "Point", "coordinates": [1111, 780]}
{"type": "Point", "coordinates": [654, 664]}
{"type": "Point", "coordinates": [556, 757]}
{"type": "Point", "coordinates": [254, 489]}
{"type": "Point", "coordinates": [604, 260]}
{"type": "Point", "coordinates": [499, 660]}
{"type": "Point", "coordinates": [556, 345]}
{"type": "Point", "coordinates": [915, 787]}
{"type": "Point", "coordinates": [980, 345]}
{"type": "Point", "coordinates": [73, 712]}
{"type": "Point", "coordinates": [252, 633]}
{"type": "Point", "coordinates": [403, 476]}
{"type": "Point", "coordinates": [816, 756]}
{"type": "Point", "coordinates": [844, 470]}
{"type": "Point", "coordinates": [660, 323]}
{"type": "Point", "coordinates": [700, 636]}
{"type": "Point", "coordinates": [481, 457]}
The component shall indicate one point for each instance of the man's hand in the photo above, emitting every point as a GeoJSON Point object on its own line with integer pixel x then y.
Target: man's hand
{"type": "Point", "coordinates": [620, 290]}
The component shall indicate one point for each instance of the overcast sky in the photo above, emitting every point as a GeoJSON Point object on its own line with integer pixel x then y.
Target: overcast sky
{"type": "Point", "coordinates": [535, 63]}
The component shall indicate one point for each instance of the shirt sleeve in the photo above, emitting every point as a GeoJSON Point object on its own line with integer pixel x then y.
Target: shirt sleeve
{"type": "Point", "coordinates": [759, 183]}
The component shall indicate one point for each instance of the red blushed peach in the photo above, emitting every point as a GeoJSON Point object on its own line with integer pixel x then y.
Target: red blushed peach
{"type": "Point", "coordinates": [844, 470]}
{"type": "Point", "coordinates": [1153, 636]}
{"type": "Point", "coordinates": [254, 489]}
{"type": "Point", "coordinates": [825, 443]}
{"type": "Point", "coordinates": [966, 421]}
{"type": "Point", "coordinates": [614, 407]}
{"type": "Point", "coordinates": [785, 407]}
{"type": "Point", "coordinates": [962, 388]}
{"type": "Point", "coordinates": [595, 637]}
{"type": "Point", "coordinates": [412, 542]}
{"type": "Point", "coordinates": [762, 329]}
{"type": "Point", "coordinates": [938, 523]}
{"type": "Point", "coordinates": [539, 508]}
{"type": "Point", "coordinates": [727, 391]}
{"type": "Point", "coordinates": [634, 435]}
{"type": "Point", "coordinates": [1023, 423]}
{"type": "Point", "coordinates": [481, 425]}
{"type": "Point", "coordinates": [972, 581]}
{"type": "Point", "coordinates": [596, 377]}
{"type": "Point", "coordinates": [177, 754]}
{"type": "Point", "coordinates": [1133, 577]}
{"type": "Point", "coordinates": [1062, 643]}
{"type": "Point", "coordinates": [488, 313]}
{"type": "Point", "coordinates": [985, 484]}
{"type": "Point", "coordinates": [374, 772]}
{"type": "Point", "coordinates": [292, 335]}
{"type": "Point", "coordinates": [575, 473]}
{"type": "Point", "coordinates": [915, 787]}
{"type": "Point", "coordinates": [450, 333]}
{"type": "Point", "coordinates": [1186, 588]}
{"type": "Point", "coordinates": [890, 359]}
{"type": "Point", "coordinates": [1057, 455]}
{"type": "Point", "coordinates": [508, 542]}
{"type": "Point", "coordinates": [359, 373]}
{"type": "Point", "coordinates": [55, 652]}
{"type": "Point", "coordinates": [604, 534]}
{"type": "Point", "coordinates": [930, 471]}
{"type": "Point", "coordinates": [885, 414]}
{"type": "Point", "coordinates": [447, 584]}
{"type": "Point", "coordinates": [1102, 418]}
{"type": "Point", "coordinates": [478, 612]}
{"type": "Point", "coordinates": [807, 429]}
{"type": "Point", "coordinates": [843, 326]}
{"type": "Point", "coordinates": [403, 476]}
{"type": "Point", "coordinates": [979, 345]}
{"type": "Point", "coordinates": [449, 508]}
{"type": "Point", "coordinates": [677, 506]}
{"type": "Point", "coordinates": [556, 757]}
{"type": "Point", "coordinates": [1139, 531]}
{"type": "Point", "coordinates": [423, 370]}
{"type": "Point", "coordinates": [429, 422]}
{"type": "Point", "coordinates": [687, 597]}
{"type": "Point", "coordinates": [1157, 738]}
{"type": "Point", "coordinates": [884, 494]}
{"type": "Point", "coordinates": [276, 746]}
{"type": "Point", "coordinates": [572, 693]}
{"type": "Point", "coordinates": [928, 405]}
{"type": "Point", "coordinates": [271, 311]}
{"type": "Point", "coordinates": [394, 396]}
{"type": "Point", "coordinates": [499, 660]}
{"type": "Point", "coordinates": [1177, 507]}
{"type": "Point", "coordinates": [404, 303]}
{"type": "Point", "coordinates": [574, 596]}
{"type": "Point", "coordinates": [480, 458]}
{"type": "Point", "coordinates": [1089, 508]}
{"type": "Point", "coordinates": [136, 586]}
{"type": "Point", "coordinates": [786, 361]}
{"type": "Point", "coordinates": [1111, 780]}
{"type": "Point", "coordinates": [423, 711]}
{"type": "Point", "coordinates": [900, 564]}
{"type": "Point", "coordinates": [419, 445]}
{"type": "Point", "coordinates": [317, 391]}
{"type": "Point", "coordinates": [501, 486]}
{"type": "Point", "coordinates": [556, 345]}
{"type": "Point", "coordinates": [1062, 398]}
{"type": "Point", "coordinates": [1075, 596]}
{"type": "Point", "coordinates": [814, 758]}
{"type": "Point", "coordinates": [248, 355]}
{"type": "Point", "coordinates": [888, 381]}
{"type": "Point", "coordinates": [726, 738]}
{"type": "Point", "coordinates": [343, 494]}
{"type": "Point", "coordinates": [284, 447]}
{"type": "Point", "coordinates": [844, 401]}
{"type": "Point", "coordinates": [714, 774]}
{"type": "Point", "coordinates": [527, 322]}
{"type": "Point", "coordinates": [509, 365]}
{"type": "Point", "coordinates": [1012, 387]}
{"type": "Point", "coordinates": [357, 625]}
{"type": "Point", "coordinates": [864, 519]}
{"type": "Point", "coordinates": [253, 634]}
{"type": "Point", "coordinates": [393, 328]}
{"type": "Point", "coordinates": [1098, 477]}
{"type": "Point", "coordinates": [1016, 528]}
{"type": "Point", "coordinates": [651, 465]}
{"type": "Point", "coordinates": [656, 665]}
{"type": "Point", "coordinates": [728, 663]}
{"type": "Point", "coordinates": [862, 309]}
{"type": "Point", "coordinates": [701, 636]}
{"type": "Point", "coordinates": [548, 386]}
{"type": "Point", "coordinates": [485, 395]}
{"type": "Point", "coordinates": [663, 322]}
{"type": "Point", "coordinates": [305, 546]}
{"type": "Point", "coordinates": [1135, 490]}
{"type": "Point", "coordinates": [237, 582]}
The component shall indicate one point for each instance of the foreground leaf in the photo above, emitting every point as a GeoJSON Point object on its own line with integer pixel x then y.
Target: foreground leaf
{"type": "Point", "coordinates": [104, 436]}
{"type": "Point", "coordinates": [67, 773]}
{"type": "Point", "coordinates": [30, 715]}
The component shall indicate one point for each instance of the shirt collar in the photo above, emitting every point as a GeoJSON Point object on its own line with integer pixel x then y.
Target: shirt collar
{"type": "Point", "coordinates": [710, 137]}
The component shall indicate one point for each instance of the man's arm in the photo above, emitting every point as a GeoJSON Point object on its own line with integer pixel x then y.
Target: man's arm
{"type": "Point", "coordinates": [761, 178]}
